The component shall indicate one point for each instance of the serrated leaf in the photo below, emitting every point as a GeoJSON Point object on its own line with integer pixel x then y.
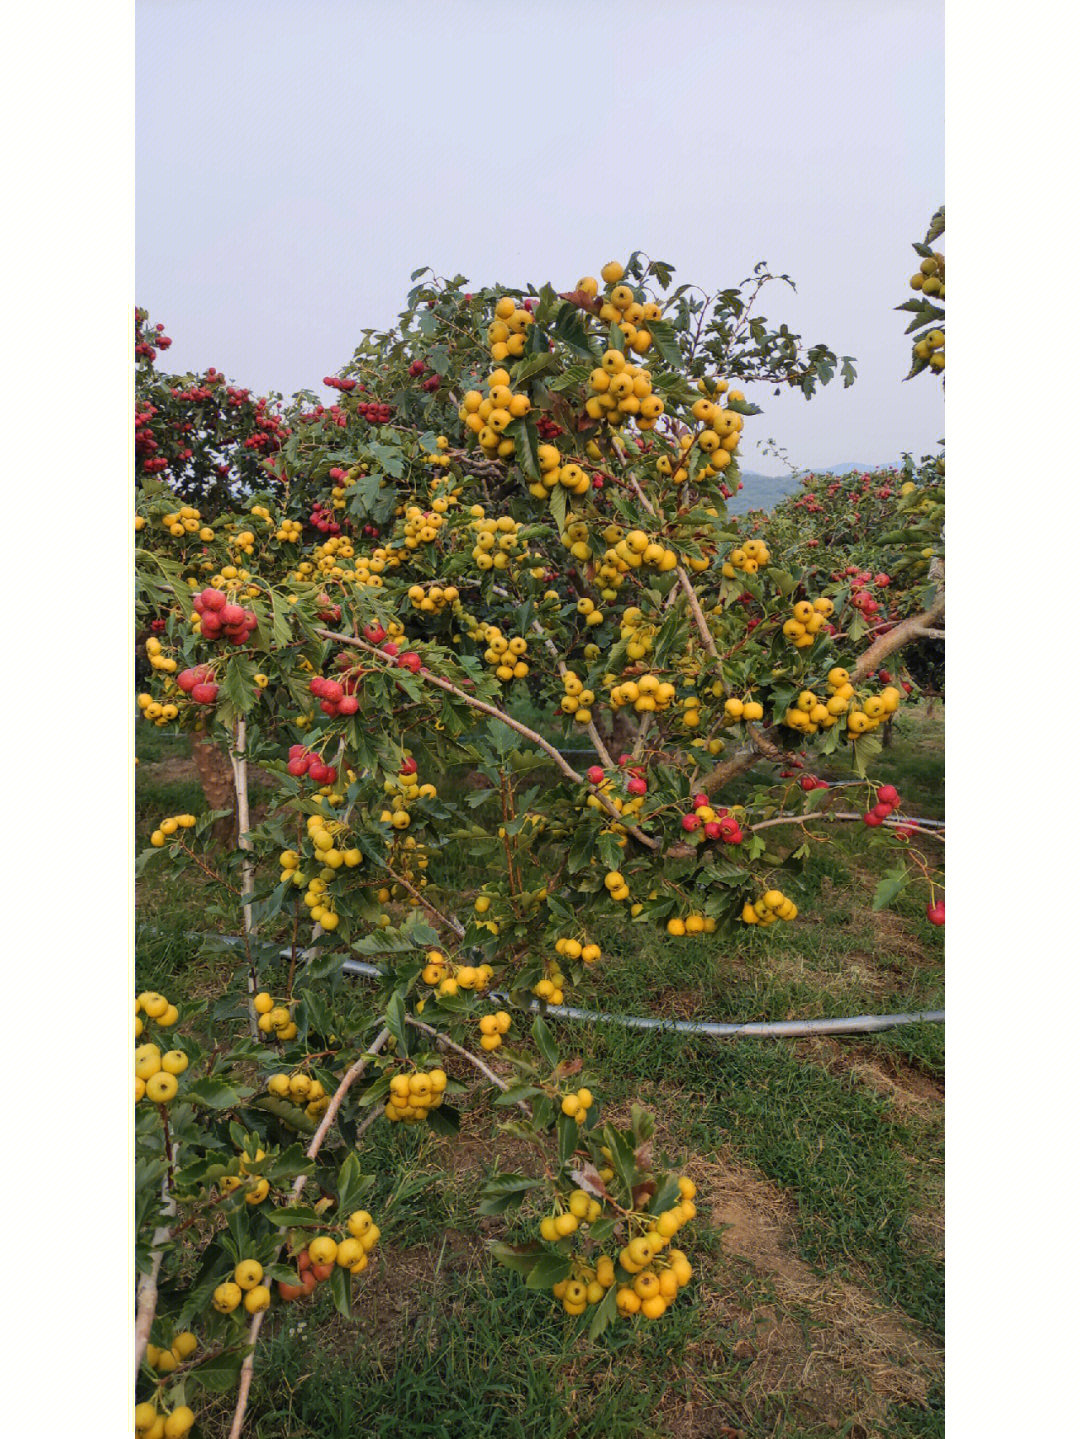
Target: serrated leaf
{"type": "Point", "coordinates": [341, 1289]}
{"type": "Point", "coordinates": [519, 1257]}
{"type": "Point", "coordinates": [217, 1094]}
{"type": "Point", "coordinates": [545, 1043]}
{"type": "Point", "coordinates": [604, 1314]}
{"type": "Point", "coordinates": [665, 343]}
{"type": "Point", "coordinates": [548, 1270]}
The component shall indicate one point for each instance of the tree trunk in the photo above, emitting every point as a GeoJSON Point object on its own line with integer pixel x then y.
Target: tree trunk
{"type": "Point", "coordinates": [216, 778]}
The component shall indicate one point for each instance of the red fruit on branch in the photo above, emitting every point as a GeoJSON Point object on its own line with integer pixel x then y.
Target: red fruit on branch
{"type": "Point", "coordinates": [712, 829]}
{"type": "Point", "coordinates": [214, 599]}
{"type": "Point", "coordinates": [408, 766]}
{"type": "Point", "coordinates": [888, 794]}
{"type": "Point", "coordinates": [690, 822]}
{"type": "Point", "coordinates": [807, 783]}
{"type": "Point", "coordinates": [935, 913]}
{"type": "Point", "coordinates": [410, 660]}
{"type": "Point", "coordinates": [204, 693]}
{"type": "Point", "coordinates": [594, 774]}
{"type": "Point", "coordinates": [699, 801]}
{"type": "Point", "coordinates": [636, 786]}
{"type": "Point", "coordinates": [374, 634]}
{"type": "Point", "coordinates": [349, 705]}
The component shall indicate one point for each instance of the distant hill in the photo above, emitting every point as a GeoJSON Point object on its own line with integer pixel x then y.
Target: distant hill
{"type": "Point", "coordinates": [763, 492]}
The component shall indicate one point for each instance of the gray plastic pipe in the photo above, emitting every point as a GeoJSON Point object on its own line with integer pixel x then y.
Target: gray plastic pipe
{"type": "Point", "coordinates": [751, 1029]}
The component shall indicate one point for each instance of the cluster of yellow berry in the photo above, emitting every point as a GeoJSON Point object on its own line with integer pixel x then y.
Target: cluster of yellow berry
{"type": "Point", "coordinates": [150, 1423]}
{"type": "Point", "coordinates": [186, 521]}
{"type": "Point", "coordinates": [506, 333]}
{"type": "Point", "coordinates": [323, 834]}
{"type": "Point", "coordinates": [743, 709]}
{"type": "Point", "coordinates": [245, 1287]}
{"type": "Point", "coordinates": [749, 558]}
{"type": "Point", "coordinates": [349, 1253]}
{"type": "Point", "coordinates": [289, 532]}
{"type": "Point", "coordinates": [492, 1029]}
{"type": "Point", "coordinates": [156, 1008]}
{"type": "Point", "coordinates": [257, 1186]}
{"type": "Point", "coordinates": [809, 713]}
{"type": "Point", "coordinates": [636, 549]}
{"type": "Point", "coordinates": [577, 699]}
{"type": "Point", "coordinates": [274, 1018]}
{"type": "Point", "coordinates": [574, 536]}
{"type": "Point", "coordinates": [648, 694]}
{"type": "Point", "coordinates": [243, 541]}
{"type": "Point", "coordinates": [229, 577]}
{"type": "Point", "coordinates": [488, 417]}
{"type": "Point", "coordinates": [931, 348]}
{"type": "Point", "coordinates": [930, 276]}
{"type": "Point", "coordinates": [769, 908]}
{"type": "Point", "coordinates": [576, 1104]}
{"type": "Point", "coordinates": [152, 709]}
{"type": "Point", "coordinates": [655, 1287]}
{"type": "Point", "coordinates": [421, 526]}
{"type": "Point", "coordinates": [410, 860]}
{"type": "Point", "coordinates": [165, 1360]}
{"type": "Point", "coordinates": [620, 391]}
{"type": "Point", "coordinates": [434, 599]}
{"type": "Point", "coordinates": [692, 923]}
{"type": "Point", "coordinates": [550, 987]}
{"type": "Point", "coordinates": [806, 619]}
{"type": "Point", "coordinates": [581, 1208]}
{"type": "Point", "coordinates": [637, 632]}
{"type": "Point", "coordinates": [616, 885]}
{"type": "Point", "coordinates": [627, 807]}
{"type": "Point", "coordinates": [156, 1073]}
{"type": "Point", "coordinates": [170, 825]}
{"type": "Point", "coordinates": [588, 953]}
{"type": "Point", "coordinates": [506, 655]}
{"type": "Point", "coordinates": [620, 307]}
{"type": "Point", "coordinates": [303, 1090]}
{"type": "Point", "coordinates": [403, 790]}
{"type": "Point", "coordinates": [412, 1095]}
{"type": "Point", "coordinates": [496, 540]}
{"type": "Point", "coordinates": [158, 660]}
{"type": "Point", "coordinates": [448, 978]}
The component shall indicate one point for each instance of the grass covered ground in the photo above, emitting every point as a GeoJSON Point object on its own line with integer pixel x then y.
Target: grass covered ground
{"type": "Point", "coordinates": [816, 1308]}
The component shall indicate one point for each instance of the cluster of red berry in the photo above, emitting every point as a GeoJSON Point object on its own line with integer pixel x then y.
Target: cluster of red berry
{"type": "Point", "coordinates": [888, 799]}
{"type": "Point", "coordinates": [199, 684]}
{"type": "Point", "coordinates": [323, 520]}
{"type": "Point", "coordinates": [373, 413]}
{"type": "Point", "coordinates": [303, 761]}
{"type": "Point", "coordinates": [335, 698]}
{"type": "Point", "coordinates": [335, 384]}
{"type": "Point", "coordinates": [219, 619]}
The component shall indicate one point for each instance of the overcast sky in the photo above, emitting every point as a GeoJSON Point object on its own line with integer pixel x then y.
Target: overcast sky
{"type": "Point", "coordinates": [295, 161]}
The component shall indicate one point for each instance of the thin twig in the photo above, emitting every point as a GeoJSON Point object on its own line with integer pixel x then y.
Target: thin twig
{"type": "Point", "coordinates": [445, 1043]}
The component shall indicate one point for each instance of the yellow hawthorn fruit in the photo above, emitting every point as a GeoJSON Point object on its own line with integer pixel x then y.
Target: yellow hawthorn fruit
{"type": "Point", "coordinates": [184, 1345]}
{"type": "Point", "coordinates": [174, 1061]}
{"type": "Point", "coordinates": [227, 1297]}
{"type": "Point", "coordinates": [322, 1250]}
{"type": "Point", "coordinates": [154, 1005]}
{"type": "Point", "coordinates": [257, 1299]}
{"type": "Point", "coordinates": [626, 1301]}
{"type": "Point", "coordinates": [262, 1003]}
{"type": "Point", "coordinates": [612, 272]}
{"type": "Point", "coordinates": [169, 1018]}
{"type": "Point", "coordinates": [161, 1088]}
{"type": "Point", "coordinates": [147, 1060]}
{"type": "Point", "coordinates": [639, 1252]}
{"type": "Point", "coordinates": [179, 1422]}
{"type": "Point", "coordinates": [676, 926]}
{"type": "Point", "coordinates": [248, 1273]}
{"type": "Point", "coordinates": [145, 1414]}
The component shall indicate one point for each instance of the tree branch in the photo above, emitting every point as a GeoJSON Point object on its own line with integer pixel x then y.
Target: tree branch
{"type": "Point", "coordinates": [899, 636]}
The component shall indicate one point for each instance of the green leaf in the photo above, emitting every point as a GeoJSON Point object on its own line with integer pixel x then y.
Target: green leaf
{"type": "Point", "coordinates": [604, 1314]}
{"type": "Point", "coordinates": [548, 1270]}
{"type": "Point", "coordinates": [221, 1372]}
{"type": "Point", "coordinates": [395, 1022]}
{"type": "Point", "coordinates": [889, 887]}
{"type": "Point", "coordinates": [353, 1185]}
{"type": "Point", "coordinates": [502, 1191]}
{"type": "Point", "coordinates": [526, 445]}
{"type": "Point", "coordinates": [571, 330]}
{"type": "Point", "coordinates": [519, 1257]}
{"type": "Point", "coordinates": [216, 1094]}
{"type": "Point", "coordinates": [544, 1042]}
{"type": "Point", "coordinates": [557, 502]}
{"type": "Point", "coordinates": [294, 1216]}
{"type": "Point", "coordinates": [341, 1289]}
{"type": "Point", "coordinates": [663, 336]}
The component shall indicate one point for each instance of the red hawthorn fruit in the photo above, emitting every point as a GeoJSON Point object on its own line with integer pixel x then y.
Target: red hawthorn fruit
{"type": "Point", "coordinates": [935, 913]}
{"type": "Point", "coordinates": [374, 634]}
{"type": "Point", "coordinates": [204, 693]}
{"type": "Point", "coordinates": [299, 765]}
{"type": "Point", "coordinates": [883, 811]}
{"type": "Point", "coordinates": [389, 648]}
{"type": "Point", "coordinates": [699, 800]}
{"type": "Point", "coordinates": [594, 774]}
{"type": "Point", "coordinates": [188, 679]}
{"type": "Point", "coordinates": [328, 707]}
{"type": "Point", "coordinates": [888, 794]}
{"type": "Point", "coordinates": [822, 784]}
{"type": "Point", "coordinates": [712, 829]}
{"type": "Point", "coordinates": [871, 819]}
{"type": "Point", "coordinates": [807, 783]}
{"type": "Point", "coordinates": [690, 822]}
{"type": "Point", "coordinates": [410, 660]}
{"type": "Point", "coordinates": [885, 677]}
{"type": "Point", "coordinates": [319, 772]}
{"type": "Point", "coordinates": [214, 599]}
{"type": "Point", "coordinates": [349, 705]}
{"type": "Point", "coordinates": [408, 766]}
{"type": "Point", "coordinates": [332, 691]}
{"type": "Point", "coordinates": [637, 786]}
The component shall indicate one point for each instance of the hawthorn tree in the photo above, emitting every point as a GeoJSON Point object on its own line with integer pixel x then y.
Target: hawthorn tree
{"type": "Point", "coordinates": [505, 541]}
